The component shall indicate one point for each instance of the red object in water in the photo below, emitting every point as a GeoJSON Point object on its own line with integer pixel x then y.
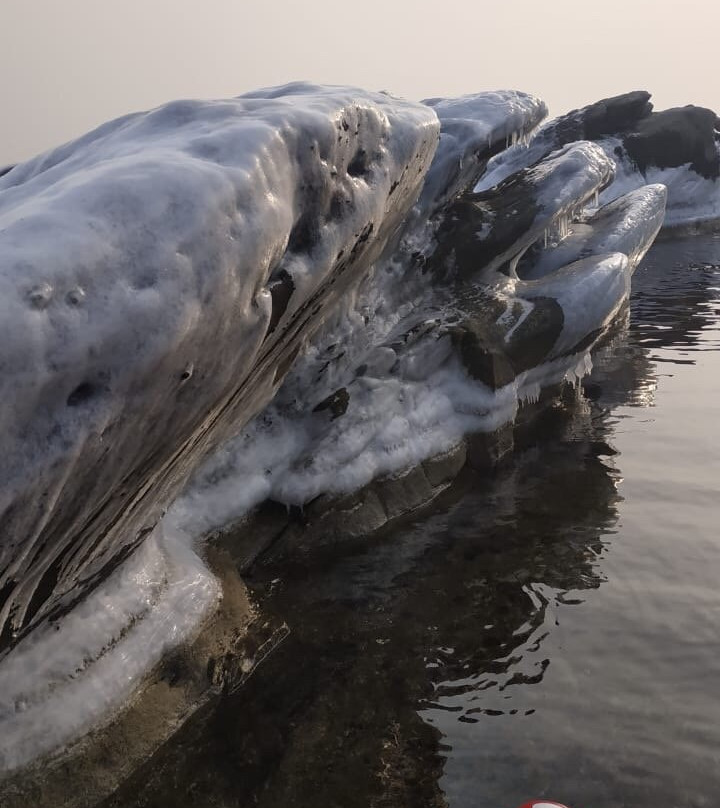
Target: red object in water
{"type": "Point", "coordinates": [542, 804]}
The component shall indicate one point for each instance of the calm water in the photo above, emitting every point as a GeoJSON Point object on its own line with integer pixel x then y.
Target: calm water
{"type": "Point", "coordinates": [553, 632]}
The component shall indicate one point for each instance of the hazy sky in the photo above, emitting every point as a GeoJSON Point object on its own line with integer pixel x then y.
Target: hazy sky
{"type": "Point", "coordinates": [68, 65]}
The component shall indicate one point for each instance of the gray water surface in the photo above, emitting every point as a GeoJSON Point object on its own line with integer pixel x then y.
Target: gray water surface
{"type": "Point", "coordinates": [628, 710]}
{"type": "Point", "coordinates": [551, 632]}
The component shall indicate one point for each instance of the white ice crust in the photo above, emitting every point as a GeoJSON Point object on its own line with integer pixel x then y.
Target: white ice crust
{"type": "Point", "coordinates": [135, 266]}
{"type": "Point", "coordinates": [626, 225]}
{"type": "Point", "coordinates": [62, 678]}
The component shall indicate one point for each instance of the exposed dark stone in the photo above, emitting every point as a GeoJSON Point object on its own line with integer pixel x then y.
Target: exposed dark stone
{"type": "Point", "coordinates": [609, 116]}
{"type": "Point", "coordinates": [82, 393]}
{"type": "Point", "coordinates": [336, 402]}
{"type": "Point", "coordinates": [281, 289]}
{"type": "Point", "coordinates": [359, 164]}
{"type": "Point", "coordinates": [362, 238]}
{"type": "Point", "coordinates": [675, 137]}
{"type": "Point", "coordinates": [486, 229]}
{"type": "Point", "coordinates": [444, 468]}
{"type": "Point", "coordinates": [329, 520]}
{"type": "Point", "coordinates": [533, 339]}
{"type": "Point", "coordinates": [482, 361]}
{"type": "Point", "coordinates": [486, 449]}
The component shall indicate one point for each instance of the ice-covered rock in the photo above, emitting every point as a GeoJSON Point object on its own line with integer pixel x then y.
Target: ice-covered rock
{"type": "Point", "coordinates": [604, 118]}
{"type": "Point", "coordinates": [679, 148]}
{"type": "Point", "coordinates": [158, 277]}
{"type": "Point", "coordinates": [626, 225]}
{"type": "Point", "coordinates": [441, 340]}
{"type": "Point", "coordinates": [292, 294]}
{"type": "Point", "coordinates": [473, 129]}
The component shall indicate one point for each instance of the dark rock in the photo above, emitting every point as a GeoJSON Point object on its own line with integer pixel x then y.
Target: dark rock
{"type": "Point", "coordinates": [609, 116]}
{"type": "Point", "coordinates": [482, 229]}
{"type": "Point", "coordinates": [486, 449]}
{"type": "Point", "coordinates": [337, 519]}
{"type": "Point", "coordinates": [444, 468]}
{"type": "Point", "coordinates": [336, 402]}
{"type": "Point", "coordinates": [675, 137]}
{"type": "Point", "coordinates": [532, 341]}
{"type": "Point", "coordinates": [281, 289]}
{"type": "Point", "coordinates": [482, 360]}
{"type": "Point", "coordinates": [404, 492]}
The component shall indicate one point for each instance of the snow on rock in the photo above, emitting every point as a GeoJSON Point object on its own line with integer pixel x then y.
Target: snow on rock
{"type": "Point", "coordinates": [289, 293]}
{"type": "Point", "coordinates": [678, 148]}
{"type": "Point", "coordinates": [157, 277]}
{"type": "Point", "coordinates": [474, 128]}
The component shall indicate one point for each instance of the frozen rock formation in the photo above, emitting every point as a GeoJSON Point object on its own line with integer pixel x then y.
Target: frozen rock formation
{"type": "Point", "coordinates": [291, 294]}
{"type": "Point", "coordinates": [679, 148]}
{"type": "Point", "coordinates": [159, 275]}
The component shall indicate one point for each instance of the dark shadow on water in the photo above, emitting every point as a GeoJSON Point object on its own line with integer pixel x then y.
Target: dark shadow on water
{"type": "Point", "coordinates": [445, 617]}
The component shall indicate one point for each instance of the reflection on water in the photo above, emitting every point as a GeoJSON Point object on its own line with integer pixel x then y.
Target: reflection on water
{"type": "Point", "coordinates": [551, 632]}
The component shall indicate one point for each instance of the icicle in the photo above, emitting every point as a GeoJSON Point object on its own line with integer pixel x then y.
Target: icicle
{"type": "Point", "coordinates": [563, 226]}
{"type": "Point", "coordinates": [514, 263]}
{"type": "Point", "coordinates": [596, 198]}
{"type": "Point", "coordinates": [546, 238]}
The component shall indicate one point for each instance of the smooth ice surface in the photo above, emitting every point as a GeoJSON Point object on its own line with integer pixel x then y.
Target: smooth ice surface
{"type": "Point", "coordinates": [65, 676]}
{"type": "Point", "coordinates": [557, 188]}
{"type": "Point", "coordinates": [691, 198]}
{"type": "Point", "coordinates": [626, 225]}
{"type": "Point", "coordinates": [591, 290]}
{"type": "Point", "coordinates": [507, 162]}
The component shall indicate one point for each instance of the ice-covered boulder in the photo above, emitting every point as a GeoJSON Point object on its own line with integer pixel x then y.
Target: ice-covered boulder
{"type": "Point", "coordinates": [678, 148]}
{"type": "Point", "coordinates": [158, 276]}
{"type": "Point", "coordinates": [298, 287]}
